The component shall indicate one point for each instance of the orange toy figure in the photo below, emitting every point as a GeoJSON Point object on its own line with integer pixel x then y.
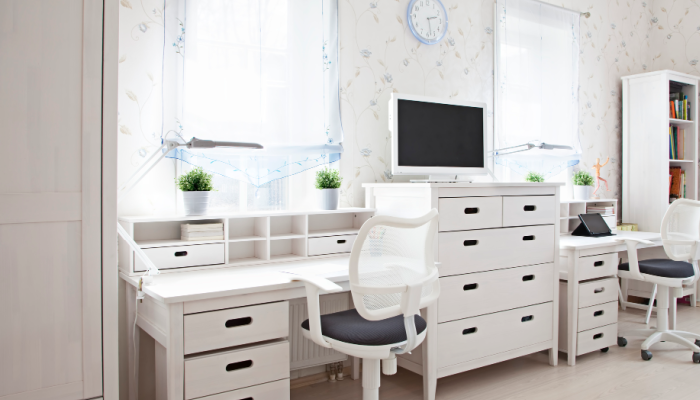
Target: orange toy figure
{"type": "Point", "coordinates": [597, 166]}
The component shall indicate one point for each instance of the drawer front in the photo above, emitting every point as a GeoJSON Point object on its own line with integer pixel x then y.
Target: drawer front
{"type": "Point", "coordinates": [469, 295]}
{"type": "Point", "coordinates": [597, 292]}
{"type": "Point", "coordinates": [183, 256]}
{"type": "Point", "coordinates": [464, 213]}
{"type": "Point", "coordinates": [278, 390]}
{"type": "Point", "coordinates": [473, 338]}
{"type": "Point", "coordinates": [596, 339]}
{"type": "Point", "coordinates": [528, 210]}
{"type": "Point", "coordinates": [331, 244]}
{"type": "Point", "coordinates": [597, 316]}
{"type": "Point", "coordinates": [223, 372]}
{"type": "Point", "coordinates": [490, 249]}
{"type": "Point", "coordinates": [236, 326]}
{"type": "Point", "coordinates": [598, 266]}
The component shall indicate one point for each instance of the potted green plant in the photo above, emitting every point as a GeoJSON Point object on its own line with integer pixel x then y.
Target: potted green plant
{"type": "Point", "coordinates": [583, 183]}
{"type": "Point", "coordinates": [196, 190]}
{"type": "Point", "coordinates": [534, 177]}
{"type": "Point", "coordinates": [328, 182]}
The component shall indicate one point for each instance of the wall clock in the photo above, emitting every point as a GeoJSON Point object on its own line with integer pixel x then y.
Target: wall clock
{"type": "Point", "coordinates": [428, 20]}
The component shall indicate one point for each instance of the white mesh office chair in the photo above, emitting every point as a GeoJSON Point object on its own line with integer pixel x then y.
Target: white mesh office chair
{"type": "Point", "coordinates": [392, 276]}
{"type": "Point", "coordinates": [680, 235]}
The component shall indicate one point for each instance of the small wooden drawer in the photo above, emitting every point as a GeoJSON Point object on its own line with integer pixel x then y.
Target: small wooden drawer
{"type": "Point", "coordinates": [596, 339]}
{"type": "Point", "coordinates": [597, 292]}
{"type": "Point", "coordinates": [490, 249]}
{"type": "Point", "coordinates": [469, 295]}
{"type": "Point", "coordinates": [598, 266]}
{"type": "Point", "coordinates": [465, 213]}
{"type": "Point", "coordinates": [597, 316]}
{"type": "Point", "coordinates": [331, 244]}
{"type": "Point", "coordinates": [183, 256]}
{"type": "Point", "coordinates": [235, 326]}
{"type": "Point", "coordinates": [472, 338]}
{"type": "Point", "coordinates": [528, 210]}
{"type": "Point", "coordinates": [236, 369]}
{"type": "Point", "coordinates": [278, 390]}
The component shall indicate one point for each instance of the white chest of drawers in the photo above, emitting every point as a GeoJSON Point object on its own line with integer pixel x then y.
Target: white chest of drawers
{"type": "Point", "coordinates": [498, 252]}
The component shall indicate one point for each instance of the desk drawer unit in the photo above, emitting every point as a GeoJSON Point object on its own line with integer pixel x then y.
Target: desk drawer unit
{"type": "Point", "coordinates": [490, 249]}
{"type": "Point", "coordinates": [183, 256]}
{"type": "Point", "coordinates": [593, 267]}
{"type": "Point", "coordinates": [331, 244]}
{"type": "Point", "coordinates": [465, 213]}
{"type": "Point", "coordinates": [597, 292]}
{"type": "Point", "coordinates": [278, 390]}
{"type": "Point", "coordinates": [473, 338]}
{"type": "Point", "coordinates": [222, 372]}
{"type": "Point", "coordinates": [597, 316]}
{"type": "Point", "coordinates": [469, 295]}
{"type": "Point", "coordinates": [235, 326]}
{"type": "Point", "coordinates": [596, 339]}
{"type": "Point", "coordinates": [529, 210]}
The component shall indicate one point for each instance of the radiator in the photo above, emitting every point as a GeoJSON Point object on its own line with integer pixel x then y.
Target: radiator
{"type": "Point", "coordinates": [303, 352]}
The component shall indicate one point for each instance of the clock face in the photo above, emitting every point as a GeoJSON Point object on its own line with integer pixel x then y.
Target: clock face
{"type": "Point", "coordinates": [428, 20]}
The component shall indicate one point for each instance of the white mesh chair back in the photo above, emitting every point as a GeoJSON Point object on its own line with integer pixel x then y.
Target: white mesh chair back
{"type": "Point", "coordinates": [389, 255]}
{"type": "Point", "coordinates": [680, 231]}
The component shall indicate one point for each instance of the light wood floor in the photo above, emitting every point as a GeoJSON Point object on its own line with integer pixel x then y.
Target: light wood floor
{"type": "Point", "coordinates": [619, 374]}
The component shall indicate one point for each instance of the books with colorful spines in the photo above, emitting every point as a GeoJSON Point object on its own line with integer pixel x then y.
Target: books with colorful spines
{"type": "Point", "coordinates": [670, 143]}
{"type": "Point", "coordinates": [672, 108]}
{"type": "Point", "coordinates": [675, 173]}
{"type": "Point", "coordinates": [685, 108]}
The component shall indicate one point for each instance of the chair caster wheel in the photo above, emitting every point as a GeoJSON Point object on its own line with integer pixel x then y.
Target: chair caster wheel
{"type": "Point", "coordinates": [646, 355]}
{"type": "Point", "coordinates": [605, 349]}
{"type": "Point", "coordinates": [622, 342]}
{"type": "Point", "coordinates": [696, 358]}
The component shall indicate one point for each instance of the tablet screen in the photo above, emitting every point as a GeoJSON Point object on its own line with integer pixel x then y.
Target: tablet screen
{"type": "Point", "coordinates": [595, 223]}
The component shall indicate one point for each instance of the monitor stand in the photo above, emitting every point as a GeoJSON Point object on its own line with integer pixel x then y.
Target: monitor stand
{"type": "Point", "coordinates": [444, 179]}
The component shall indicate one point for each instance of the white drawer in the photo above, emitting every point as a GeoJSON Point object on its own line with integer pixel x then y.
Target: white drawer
{"type": "Point", "coordinates": [182, 256]}
{"type": "Point", "coordinates": [596, 339]}
{"type": "Point", "coordinates": [598, 266]}
{"type": "Point", "coordinates": [464, 213]}
{"type": "Point", "coordinates": [597, 316]}
{"type": "Point", "coordinates": [278, 390]}
{"type": "Point", "coordinates": [528, 210]}
{"type": "Point", "coordinates": [490, 249]}
{"type": "Point", "coordinates": [473, 338]}
{"type": "Point", "coordinates": [236, 369]}
{"type": "Point", "coordinates": [235, 326]}
{"type": "Point", "coordinates": [331, 244]}
{"type": "Point", "coordinates": [463, 296]}
{"type": "Point", "coordinates": [597, 292]}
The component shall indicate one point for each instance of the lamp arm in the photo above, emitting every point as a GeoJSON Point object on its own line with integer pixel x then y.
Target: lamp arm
{"type": "Point", "coordinates": [140, 174]}
{"type": "Point", "coordinates": [151, 268]}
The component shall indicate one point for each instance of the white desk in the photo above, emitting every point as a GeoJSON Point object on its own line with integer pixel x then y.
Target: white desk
{"type": "Point", "coordinates": [589, 290]}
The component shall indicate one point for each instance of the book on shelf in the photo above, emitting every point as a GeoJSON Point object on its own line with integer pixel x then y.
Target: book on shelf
{"type": "Point", "coordinates": [676, 182]}
{"type": "Point", "coordinates": [213, 231]}
{"type": "Point", "coordinates": [679, 106]}
{"type": "Point", "coordinates": [676, 143]}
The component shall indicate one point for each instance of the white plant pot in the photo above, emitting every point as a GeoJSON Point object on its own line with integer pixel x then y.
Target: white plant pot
{"type": "Point", "coordinates": [196, 203]}
{"type": "Point", "coordinates": [329, 199]}
{"type": "Point", "coordinates": [582, 192]}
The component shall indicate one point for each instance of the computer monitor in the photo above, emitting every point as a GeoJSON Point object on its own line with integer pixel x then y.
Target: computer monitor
{"type": "Point", "coordinates": [442, 138]}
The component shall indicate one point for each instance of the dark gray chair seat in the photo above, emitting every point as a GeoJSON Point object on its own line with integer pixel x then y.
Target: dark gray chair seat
{"type": "Point", "coordinates": [663, 268]}
{"type": "Point", "coordinates": [349, 327]}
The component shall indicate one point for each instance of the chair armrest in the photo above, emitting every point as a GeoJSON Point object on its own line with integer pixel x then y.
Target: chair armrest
{"type": "Point", "coordinates": [632, 258]}
{"type": "Point", "coordinates": [314, 286]}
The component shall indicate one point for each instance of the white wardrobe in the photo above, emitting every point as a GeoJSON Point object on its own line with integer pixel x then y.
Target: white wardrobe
{"type": "Point", "coordinates": [51, 254]}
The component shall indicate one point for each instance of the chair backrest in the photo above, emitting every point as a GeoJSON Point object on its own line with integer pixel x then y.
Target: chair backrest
{"type": "Point", "coordinates": [680, 232]}
{"type": "Point", "coordinates": [391, 260]}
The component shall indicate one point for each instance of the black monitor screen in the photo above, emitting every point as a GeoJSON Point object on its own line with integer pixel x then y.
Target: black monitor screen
{"type": "Point", "coordinates": [440, 135]}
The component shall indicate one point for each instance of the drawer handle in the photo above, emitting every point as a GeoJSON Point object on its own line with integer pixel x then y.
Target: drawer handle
{"type": "Point", "coordinates": [471, 210]}
{"type": "Point", "coordinates": [598, 313]}
{"type": "Point", "coordinates": [528, 278]}
{"type": "Point", "coordinates": [597, 336]}
{"type": "Point", "coordinates": [471, 286]}
{"type": "Point", "coordinates": [469, 331]}
{"type": "Point", "coordinates": [341, 241]}
{"type": "Point", "coordinates": [599, 290]}
{"type": "Point", "coordinates": [527, 318]}
{"type": "Point", "coordinates": [598, 263]}
{"type": "Point", "coordinates": [471, 242]}
{"type": "Point", "coordinates": [529, 208]}
{"type": "Point", "coordinates": [529, 237]}
{"type": "Point", "coordinates": [180, 253]}
{"type": "Point", "coordinates": [239, 365]}
{"type": "Point", "coordinates": [232, 323]}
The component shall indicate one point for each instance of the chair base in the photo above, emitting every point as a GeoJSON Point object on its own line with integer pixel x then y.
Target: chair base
{"type": "Point", "coordinates": [687, 339]}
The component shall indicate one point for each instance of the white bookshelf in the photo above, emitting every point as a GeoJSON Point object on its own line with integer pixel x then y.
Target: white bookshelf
{"type": "Point", "coordinates": [645, 145]}
{"type": "Point", "coordinates": [569, 211]}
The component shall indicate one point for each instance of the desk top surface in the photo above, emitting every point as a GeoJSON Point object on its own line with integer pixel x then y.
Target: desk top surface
{"type": "Point", "coordinates": [568, 242]}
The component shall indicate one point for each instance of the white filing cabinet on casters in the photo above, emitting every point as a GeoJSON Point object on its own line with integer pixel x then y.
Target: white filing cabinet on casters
{"type": "Point", "coordinates": [499, 253]}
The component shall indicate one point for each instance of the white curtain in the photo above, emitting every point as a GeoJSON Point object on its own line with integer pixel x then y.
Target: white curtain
{"type": "Point", "coordinates": [537, 56]}
{"type": "Point", "coordinates": [258, 71]}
